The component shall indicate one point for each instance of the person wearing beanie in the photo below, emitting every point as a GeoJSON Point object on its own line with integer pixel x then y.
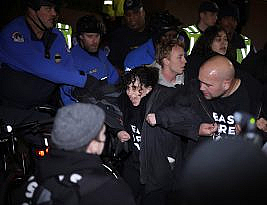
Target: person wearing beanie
{"type": "Point", "coordinates": [229, 19]}
{"type": "Point", "coordinates": [78, 139]}
{"type": "Point", "coordinates": [208, 12]}
{"type": "Point", "coordinates": [88, 55]}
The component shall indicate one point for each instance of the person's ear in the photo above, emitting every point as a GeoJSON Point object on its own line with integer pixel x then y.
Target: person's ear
{"type": "Point", "coordinates": [149, 88]}
{"type": "Point", "coordinates": [165, 61]}
{"type": "Point", "coordinates": [226, 84]}
{"type": "Point", "coordinates": [143, 12]}
{"type": "Point", "coordinates": [93, 147]}
{"type": "Point", "coordinates": [202, 14]}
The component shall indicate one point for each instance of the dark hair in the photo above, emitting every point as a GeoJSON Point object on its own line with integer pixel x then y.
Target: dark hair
{"type": "Point", "coordinates": [148, 76]}
{"type": "Point", "coordinates": [203, 44]}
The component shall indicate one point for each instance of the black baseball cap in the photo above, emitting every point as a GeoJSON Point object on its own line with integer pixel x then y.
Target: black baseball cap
{"type": "Point", "coordinates": [132, 5]}
{"type": "Point", "coordinates": [208, 6]}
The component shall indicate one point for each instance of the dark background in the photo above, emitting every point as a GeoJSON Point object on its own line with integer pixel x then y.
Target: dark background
{"type": "Point", "coordinates": [253, 18]}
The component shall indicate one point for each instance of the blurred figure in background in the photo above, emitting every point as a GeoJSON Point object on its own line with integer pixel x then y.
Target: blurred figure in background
{"type": "Point", "coordinates": [207, 16]}
{"type": "Point", "coordinates": [229, 171]}
{"type": "Point", "coordinates": [129, 36]}
{"type": "Point", "coordinates": [228, 19]}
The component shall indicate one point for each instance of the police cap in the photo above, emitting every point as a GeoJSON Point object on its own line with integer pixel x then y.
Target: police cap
{"type": "Point", "coordinates": [132, 5]}
{"type": "Point", "coordinates": [208, 6]}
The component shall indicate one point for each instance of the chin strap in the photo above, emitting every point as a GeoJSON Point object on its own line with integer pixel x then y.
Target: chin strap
{"type": "Point", "coordinates": [47, 38]}
{"type": "Point", "coordinates": [42, 27]}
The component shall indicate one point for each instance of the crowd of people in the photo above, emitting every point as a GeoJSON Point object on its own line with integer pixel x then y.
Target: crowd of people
{"type": "Point", "coordinates": [190, 104]}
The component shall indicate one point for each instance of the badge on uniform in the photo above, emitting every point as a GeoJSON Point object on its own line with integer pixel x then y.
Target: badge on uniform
{"type": "Point", "coordinates": [57, 58]}
{"type": "Point", "coordinates": [17, 37]}
{"type": "Point", "coordinates": [93, 71]}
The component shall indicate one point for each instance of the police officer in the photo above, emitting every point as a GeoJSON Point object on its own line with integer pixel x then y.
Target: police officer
{"type": "Point", "coordinates": [163, 27]}
{"type": "Point", "coordinates": [129, 36]}
{"type": "Point", "coordinates": [35, 61]}
{"type": "Point", "coordinates": [88, 56]}
{"type": "Point", "coordinates": [208, 12]}
{"type": "Point", "coordinates": [229, 19]}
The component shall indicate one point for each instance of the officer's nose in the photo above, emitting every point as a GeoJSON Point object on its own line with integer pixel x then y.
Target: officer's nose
{"type": "Point", "coordinates": [53, 12]}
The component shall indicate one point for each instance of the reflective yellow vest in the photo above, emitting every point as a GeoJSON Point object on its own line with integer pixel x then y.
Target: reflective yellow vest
{"type": "Point", "coordinates": [67, 32]}
{"type": "Point", "coordinates": [193, 34]}
{"type": "Point", "coordinates": [241, 53]}
{"type": "Point", "coordinates": [113, 7]}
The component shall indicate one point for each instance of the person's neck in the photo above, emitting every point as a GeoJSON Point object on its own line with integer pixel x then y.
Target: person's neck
{"type": "Point", "coordinates": [35, 29]}
{"type": "Point", "coordinates": [202, 26]}
{"type": "Point", "coordinates": [230, 35]}
{"type": "Point", "coordinates": [233, 87]}
{"type": "Point", "coordinates": [169, 75]}
{"type": "Point", "coordinates": [139, 29]}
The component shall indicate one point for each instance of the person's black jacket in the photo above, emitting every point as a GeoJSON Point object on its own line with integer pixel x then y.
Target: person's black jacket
{"type": "Point", "coordinates": [122, 41]}
{"type": "Point", "coordinates": [256, 65]}
{"type": "Point", "coordinates": [184, 115]}
{"type": "Point", "coordinates": [158, 143]}
{"type": "Point", "coordinates": [107, 188]}
{"type": "Point", "coordinates": [192, 97]}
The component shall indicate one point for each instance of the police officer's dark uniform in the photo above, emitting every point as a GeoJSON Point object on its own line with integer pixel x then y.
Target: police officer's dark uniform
{"type": "Point", "coordinates": [124, 39]}
{"type": "Point", "coordinates": [241, 44]}
{"type": "Point", "coordinates": [160, 23]}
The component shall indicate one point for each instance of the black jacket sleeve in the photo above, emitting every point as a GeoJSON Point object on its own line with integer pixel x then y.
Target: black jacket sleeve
{"type": "Point", "coordinates": [179, 120]}
{"type": "Point", "coordinates": [179, 116]}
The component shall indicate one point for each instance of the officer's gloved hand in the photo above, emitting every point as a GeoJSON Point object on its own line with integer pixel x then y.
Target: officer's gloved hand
{"type": "Point", "coordinates": [92, 88]}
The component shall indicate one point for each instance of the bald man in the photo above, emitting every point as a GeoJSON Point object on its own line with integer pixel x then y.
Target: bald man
{"type": "Point", "coordinates": [217, 78]}
{"type": "Point", "coordinates": [222, 95]}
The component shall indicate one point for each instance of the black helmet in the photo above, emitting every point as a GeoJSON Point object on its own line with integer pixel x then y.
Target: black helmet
{"type": "Point", "coordinates": [162, 22]}
{"type": "Point", "coordinates": [89, 24]}
{"type": "Point", "coordinates": [36, 4]}
{"type": "Point", "coordinates": [229, 10]}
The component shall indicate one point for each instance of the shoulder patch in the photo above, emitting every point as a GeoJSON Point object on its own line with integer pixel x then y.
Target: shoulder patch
{"type": "Point", "coordinates": [92, 71]}
{"type": "Point", "coordinates": [17, 37]}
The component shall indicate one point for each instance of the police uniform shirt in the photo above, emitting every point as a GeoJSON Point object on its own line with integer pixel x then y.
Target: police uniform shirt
{"type": "Point", "coordinates": [143, 55]}
{"type": "Point", "coordinates": [23, 52]}
{"type": "Point", "coordinates": [96, 65]}
{"type": "Point", "coordinates": [122, 41]}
